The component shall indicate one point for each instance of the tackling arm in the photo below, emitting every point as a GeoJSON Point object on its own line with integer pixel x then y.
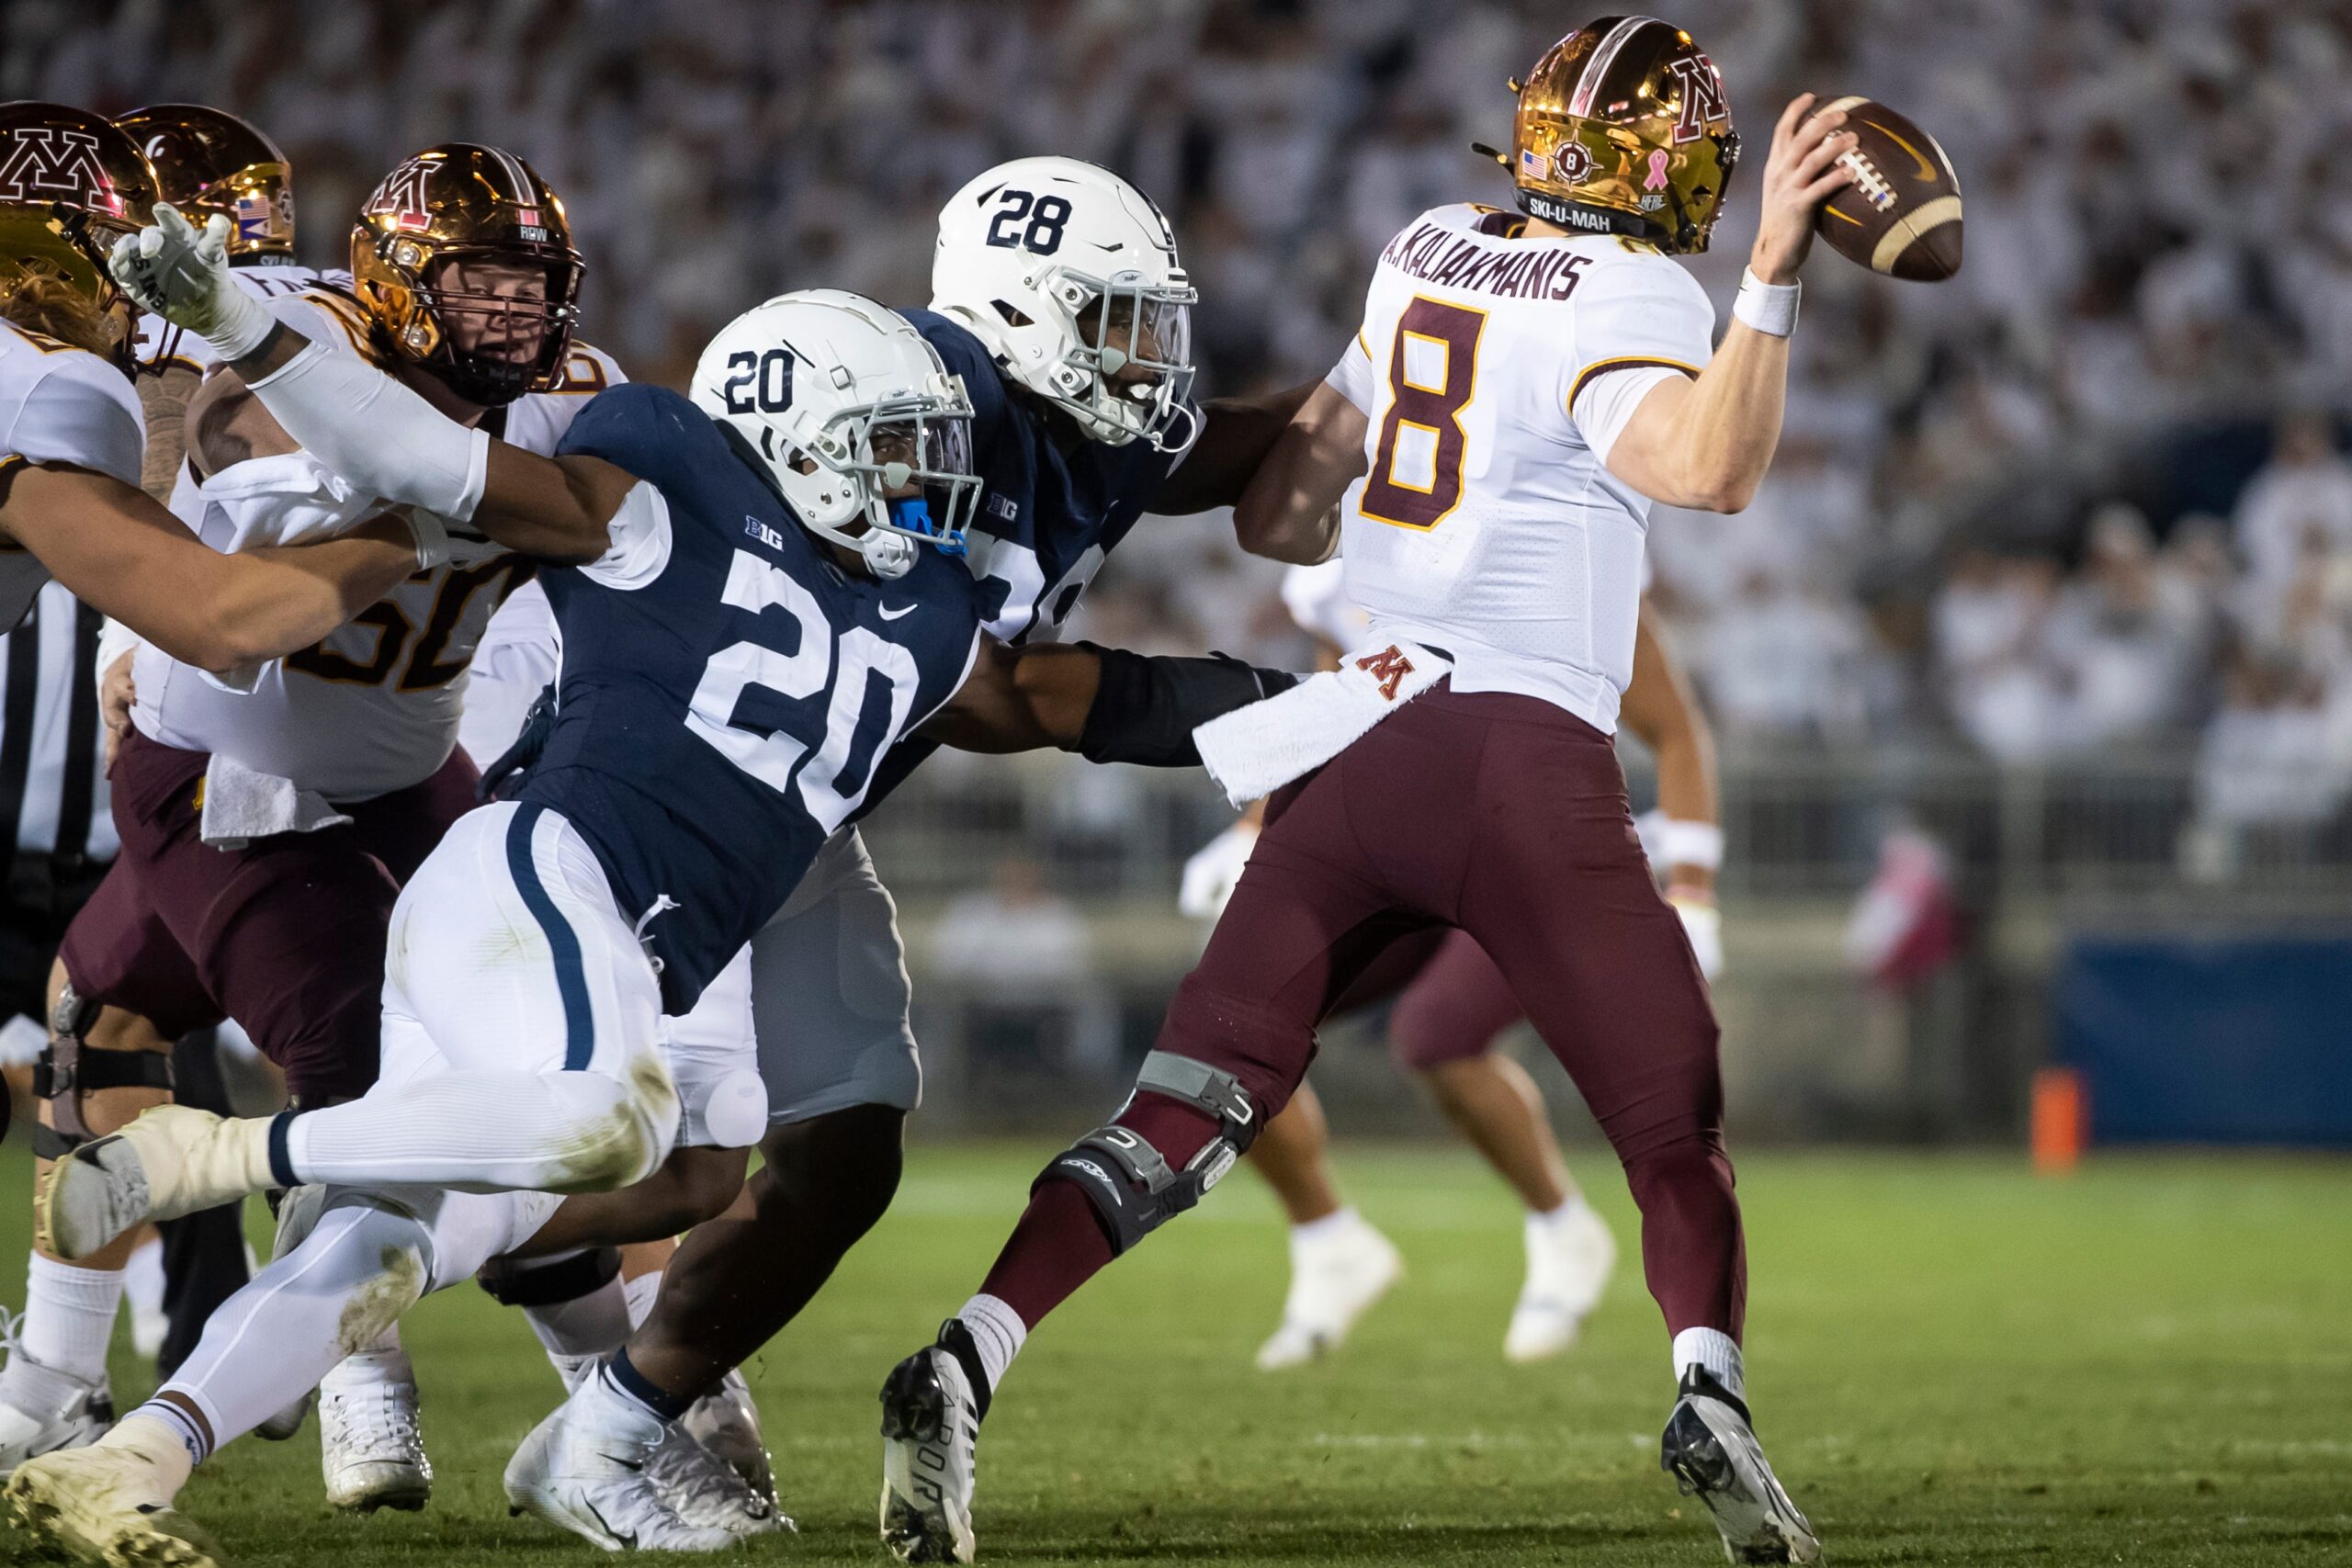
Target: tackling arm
{"type": "Point", "coordinates": [1236, 435]}
{"type": "Point", "coordinates": [1290, 510]}
{"type": "Point", "coordinates": [1105, 703]}
{"type": "Point", "coordinates": [117, 550]}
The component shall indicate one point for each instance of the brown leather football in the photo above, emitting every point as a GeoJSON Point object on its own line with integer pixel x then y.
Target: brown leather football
{"type": "Point", "coordinates": [1901, 215]}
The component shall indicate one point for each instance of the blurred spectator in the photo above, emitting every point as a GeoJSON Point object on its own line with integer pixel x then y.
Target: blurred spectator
{"type": "Point", "coordinates": [1019, 959]}
{"type": "Point", "coordinates": [2301, 501]}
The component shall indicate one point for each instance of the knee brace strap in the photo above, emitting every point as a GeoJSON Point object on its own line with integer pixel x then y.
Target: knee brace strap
{"type": "Point", "coordinates": [66, 1072]}
{"type": "Point", "coordinates": [1110, 1163]}
{"type": "Point", "coordinates": [550, 1282]}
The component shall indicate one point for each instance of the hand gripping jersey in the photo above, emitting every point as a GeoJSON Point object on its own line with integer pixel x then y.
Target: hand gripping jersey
{"type": "Point", "coordinates": [59, 404]}
{"type": "Point", "coordinates": [1495, 373]}
{"type": "Point", "coordinates": [727, 689]}
{"type": "Point", "coordinates": [374, 707]}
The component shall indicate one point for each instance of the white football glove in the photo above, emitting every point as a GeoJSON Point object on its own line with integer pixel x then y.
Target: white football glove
{"type": "Point", "coordinates": [1704, 926]}
{"type": "Point", "coordinates": [183, 275]}
{"type": "Point", "coordinates": [1215, 870]}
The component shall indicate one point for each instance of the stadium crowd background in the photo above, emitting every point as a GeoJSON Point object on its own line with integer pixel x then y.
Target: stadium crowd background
{"type": "Point", "coordinates": [2087, 504]}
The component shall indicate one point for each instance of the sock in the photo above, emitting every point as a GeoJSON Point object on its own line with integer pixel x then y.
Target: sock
{"type": "Point", "coordinates": [1570, 1206]}
{"type": "Point", "coordinates": [998, 1334]}
{"type": "Point", "coordinates": [640, 1293]}
{"type": "Point", "coordinates": [622, 1376]}
{"type": "Point", "coordinates": [162, 1434]}
{"type": "Point", "coordinates": [69, 1317]}
{"type": "Point", "coordinates": [479, 1131]}
{"type": "Point", "coordinates": [1716, 1351]}
{"type": "Point", "coordinates": [590, 1327]}
{"type": "Point", "coordinates": [1338, 1223]}
{"type": "Point", "coordinates": [142, 1277]}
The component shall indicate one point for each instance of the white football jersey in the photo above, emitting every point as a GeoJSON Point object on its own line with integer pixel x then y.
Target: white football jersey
{"type": "Point", "coordinates": [262, 281]}
{"type": "Point", "coordinates": [59, 404]}
{"type": "Point", "coordinates": [1316, 598]}
{"type": "Point", "coordinates": [376, 706]}
{"type": "Point", "coordinates": [1496, 372]}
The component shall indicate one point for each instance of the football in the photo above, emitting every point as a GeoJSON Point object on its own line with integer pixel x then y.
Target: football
{"type": "Point", "coordinates": [1901, 215]}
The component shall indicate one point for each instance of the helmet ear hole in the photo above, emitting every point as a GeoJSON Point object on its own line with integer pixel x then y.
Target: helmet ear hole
{"type": "Point", "coordinates": [1013, 318]}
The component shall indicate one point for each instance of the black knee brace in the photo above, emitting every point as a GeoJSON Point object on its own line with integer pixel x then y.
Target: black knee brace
{"type": "Point", "coordinates": [66, 1072]}
{"type": "Point", "coordinates": [1111, 1163]}
{"type": "Point", "coordinates": [549, 1282]}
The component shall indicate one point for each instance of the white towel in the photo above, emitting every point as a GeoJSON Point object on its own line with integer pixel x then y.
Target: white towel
{"type": "Point", "coordinates": [241, 805]}
{"type": "Point", "coordinates": [1254, 751]}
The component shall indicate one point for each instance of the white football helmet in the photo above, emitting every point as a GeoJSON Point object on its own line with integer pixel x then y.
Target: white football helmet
{"type": "Point", "coordinates": [842, 401]}
{"type": "Point", "coordinates": [1069, 275]}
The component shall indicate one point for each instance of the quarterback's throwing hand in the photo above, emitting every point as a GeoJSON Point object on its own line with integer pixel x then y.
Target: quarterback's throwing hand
{"type": "Point", "coordinates": [1801, 172]}
{"type": "Point", "coordinates": [183, 275]}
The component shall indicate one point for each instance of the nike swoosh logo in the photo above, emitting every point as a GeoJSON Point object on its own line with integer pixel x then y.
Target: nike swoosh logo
{"type": "Point", "coordinates": [888, 614]}
{"type": "Point", "coordinates": [625, 1463]}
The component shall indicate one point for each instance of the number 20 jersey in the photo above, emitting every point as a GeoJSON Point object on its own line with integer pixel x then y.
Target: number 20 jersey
{"type": "Point", "coordinates": [1495, 372]}
{"type": "Point", "coordinates": [727, 689]}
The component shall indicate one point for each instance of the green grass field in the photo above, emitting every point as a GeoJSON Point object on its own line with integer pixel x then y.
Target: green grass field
{"type": "Point", "coordinates": [1952, 1363]}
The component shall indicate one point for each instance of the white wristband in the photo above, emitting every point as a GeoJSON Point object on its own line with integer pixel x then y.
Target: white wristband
{"type": "Point", "coordinates": [376, 434]}
{"type": "Point", "coordinates": [432, 539]}
{"type": "Point", "coordinates": [245, 325]}
{"type": "Point", "coordinates": [1696, 844]}
{"type": "Point", "coordinates": [1769, 308]}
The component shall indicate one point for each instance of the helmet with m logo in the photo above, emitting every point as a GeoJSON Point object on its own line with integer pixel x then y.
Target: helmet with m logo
{"type": "Point", "coordinates": [208, 160]}
{"type": "Point", "coordinates": [71, 185]}
{"type": "Point", "coordinates": [1624, 128]}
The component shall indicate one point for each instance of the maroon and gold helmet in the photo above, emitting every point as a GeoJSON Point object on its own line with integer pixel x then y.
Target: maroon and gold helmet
{"type": "Point", "coordinates": [1624, 128]}
{"type": "Point", "coordinates": [209, 160]}
{"type": "Point", "coordinates": [450, 208]}
{"type": "Point", "coordinates": [71, 185]}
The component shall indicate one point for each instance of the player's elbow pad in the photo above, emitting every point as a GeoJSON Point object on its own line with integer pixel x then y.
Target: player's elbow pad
{"type": "Point", "coordinates": [1145, 709]}
{"type": "Point", "coordinates": [376, 434]}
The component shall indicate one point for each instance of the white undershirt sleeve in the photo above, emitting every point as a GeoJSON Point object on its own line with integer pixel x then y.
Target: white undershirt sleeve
{"type": "Point", "coordinates": [641, 541]}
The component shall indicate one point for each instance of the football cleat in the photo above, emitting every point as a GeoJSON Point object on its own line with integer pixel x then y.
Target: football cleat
{"type": "Point", "coordinates": [590, 1467]}
{"type": "Point", "coordinates": [173, 1160]}
{"type": "Point", "coordinates": [704, 1491]}
{"type": "Point", "coordinates": [104, 1504]}
{"type": "Point", "coordinates": [727, 1422]}
{"type": "Point", "coordinates": [1568, 1263]}
{"type": "Point", "coordinates": [371, 1450]}
{"type": "Point", "coordinates": [1334, 1280]}
{"type": "Point", "coordinates": [932, 1406]}
{"type": "Point", "coordinates": [42, 1409]}
{"type": "Point", "coordinates": [1710, 1450]}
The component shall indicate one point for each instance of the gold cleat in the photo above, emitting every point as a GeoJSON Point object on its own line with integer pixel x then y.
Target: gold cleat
{"type": "Point", "coordinates": [103, 1505]}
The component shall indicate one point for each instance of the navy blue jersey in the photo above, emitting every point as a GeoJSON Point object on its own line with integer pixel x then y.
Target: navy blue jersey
{"type": "Point", "coordinates": [716, 721]}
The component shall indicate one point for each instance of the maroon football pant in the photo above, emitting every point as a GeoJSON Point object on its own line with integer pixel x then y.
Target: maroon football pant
{"type": "Point", "coordinates": [285, 935]}
{"type": "Point", "coordinates": [1507, 817]}
{"type": "Point", "coordinates": [1451, 1000]}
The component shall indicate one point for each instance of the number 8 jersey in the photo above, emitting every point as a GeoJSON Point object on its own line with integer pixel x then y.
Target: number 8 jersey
{"type": "Point", "coordinates": [1496, 372]}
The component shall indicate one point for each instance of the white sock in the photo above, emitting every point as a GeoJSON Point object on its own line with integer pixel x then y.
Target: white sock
{"type": "Point", "coordinates": [592, 1325]}
{"type": "Point", "coordinates": [166, 1438]}
{"type": "Point", "coordinates": [1331, 1227]}
{"type": "Point", "coordinates": [997, 1332]}
{"type": "Point", "coordinates": [142, 1277]}
{"type": "Point", "coordinates": [478, 1132]}
{"type": "Point", "coordinates": [69, 1317]}
{"type": "Point", "coordinates": [1545, 1219]}
{"type": "Point", "coordinates": [278, 1338]}
{"type": "Point", "coordinates": [640, 1293]}
{"type": "Point", "coordinates": [1716, 1351]}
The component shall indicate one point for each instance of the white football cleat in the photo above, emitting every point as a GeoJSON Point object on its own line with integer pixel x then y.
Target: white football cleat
{"type": "Point", "coordinates": [105, 1505]}
{"type": "Point", "coordinates": [932, 1406]}
{"type": "Point", "coordinates": [1568, 1263]}
{"type": "Point", "coordinates": [173, 1160]}
{"type": "Point", "coordinates": [371, 1450]}
{"type": "Point", "coordinates": [704, 1491]}
{"type": "Point", "coordinates": [727, 1422]}
{"type": "Point", "coordinates": [42, 1409]}
{"type": "Point", "coordinates": [588, 1469]}
{"type": "Point", "coordinates": [1710, 1448]}
{"type": "Point", "coordinates": [1335, 1278]}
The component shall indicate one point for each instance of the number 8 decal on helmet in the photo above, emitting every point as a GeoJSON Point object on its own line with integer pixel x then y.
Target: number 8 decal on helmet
{"type": "Point", "coordinates": [1430, 409]}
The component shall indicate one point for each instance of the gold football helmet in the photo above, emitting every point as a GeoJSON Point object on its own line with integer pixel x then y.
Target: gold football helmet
{"type": "Point", "coordinates": [70, 185]}
{"type": "Point", "coordinates": [209, 160]}
{"type": "Point", "coordinates": [1624, 128]}
{"type": "Point", "coordinates": [427, 242]}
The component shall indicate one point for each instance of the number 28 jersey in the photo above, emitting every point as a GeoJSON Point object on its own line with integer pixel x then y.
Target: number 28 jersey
{"type": "Point", "coordinates": [1496, 372]}
{"type": "Point", "coordinates": [726, 689]}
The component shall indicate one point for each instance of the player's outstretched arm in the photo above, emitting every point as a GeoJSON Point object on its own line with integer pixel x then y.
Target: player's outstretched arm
{"type": "Point", "coordinates": [1705, 444]}
{"type": "Point", "coordinates": [1289, 510]}
{"type": "Point", "coordinates": [1105, 703]}
{"type": "Point", "coordinates": [375, 434]}
{"type": "Point", "coordinates": [115, 550]}
{"type": "Point", "coordinates": [1659, 708]}
{"type": "Point", "coordinates": [1236, 435]}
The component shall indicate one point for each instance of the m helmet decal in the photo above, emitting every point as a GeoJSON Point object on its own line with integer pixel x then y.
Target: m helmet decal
{"type": "Point", "coordinates": [71, 185]}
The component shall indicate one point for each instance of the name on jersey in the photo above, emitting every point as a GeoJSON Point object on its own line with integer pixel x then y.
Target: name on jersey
{"type": "Point", "coordinates": [1438, 254]}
